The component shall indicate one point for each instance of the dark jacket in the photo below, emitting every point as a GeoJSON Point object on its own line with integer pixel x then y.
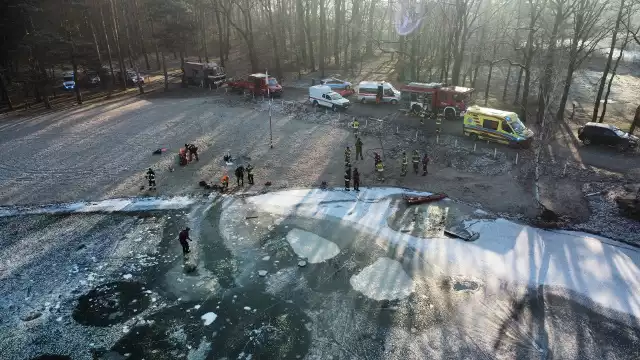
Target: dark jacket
{"type": "Point", "coordinates": [240, 171]}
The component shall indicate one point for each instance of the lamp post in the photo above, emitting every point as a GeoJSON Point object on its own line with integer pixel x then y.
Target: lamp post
{"type": "Point", "coordinates": [269, 99]}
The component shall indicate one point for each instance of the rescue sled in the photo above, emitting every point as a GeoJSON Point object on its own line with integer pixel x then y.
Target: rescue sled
{"type": "Point", "coordinates": [416, 200]}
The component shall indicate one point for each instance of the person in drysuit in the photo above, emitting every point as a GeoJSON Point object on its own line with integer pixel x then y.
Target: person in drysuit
{"type": "Point", "coordinates": [151, 178]}
{"type": "Point", "coordinates": [183, 236]}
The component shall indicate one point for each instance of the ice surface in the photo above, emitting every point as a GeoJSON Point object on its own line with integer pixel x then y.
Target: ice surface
{"type": "Point", "coordinates": [603, 270]}
{"type": "Point", "coordinates": [111, 205]}
{"type": "Point", "coordinates": [209, 318]}
{"type": "Point", "coordinates": [311, 246]}
{"type": "Point", "coordinates": [385, 279]}
{"type": "Point", "coordinates": [127, 276]}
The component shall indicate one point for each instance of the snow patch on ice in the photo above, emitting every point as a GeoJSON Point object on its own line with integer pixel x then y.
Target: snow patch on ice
{"type": "Point", "coordinates": [311, 246]}
{"type": "Point", "coordinates": [209, 318]}
{"type": "Point", "coordinates": [110, 205]}
{"type": "Point", "coordinates": [385, 279]}
{"type": "Point", "coordinates": [127, 276]}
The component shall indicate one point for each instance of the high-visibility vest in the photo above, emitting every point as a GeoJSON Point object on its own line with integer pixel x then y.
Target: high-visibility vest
{"type": "Point", "coordinates": [356, 124]}
{"type": "Point", "coordinates": [404, 160]}
{"type": "Point", "coordinates": [379, 166]}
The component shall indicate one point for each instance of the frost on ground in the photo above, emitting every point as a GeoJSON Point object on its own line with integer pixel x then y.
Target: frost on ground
{"type": "Point", "coordinates": [385, 279]}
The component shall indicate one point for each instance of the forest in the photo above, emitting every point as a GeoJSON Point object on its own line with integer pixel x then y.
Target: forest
{"type": "Point", "coordinates": [540, 43]}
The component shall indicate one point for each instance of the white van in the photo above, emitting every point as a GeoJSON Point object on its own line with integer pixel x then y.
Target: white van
{"type": "Point", "coordinates": [367, 91]}
{"type": "Point", "coordinates": [322, 95]}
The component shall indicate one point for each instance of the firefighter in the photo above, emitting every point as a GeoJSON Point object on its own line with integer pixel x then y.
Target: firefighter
{"type": "Point", "coordinates": [193, 151]}
{"type": "Point", "coordinates": [227, 158]}
{"type": "Point", "coordinates": [250, 173]}
{"type": "Point", "coordinates": [151, 177]}
{"type": "Point", "coordinates": [376, 158]}
{"type": "Point", "coordinates": [380, 171]}
{"type": "Point", "coordinates": [225, 182]}
{"type": "Point", "coordinates": [359, 149]}
{"type": "Point", "coordinates": [425, 163]}
{"type": "Point", "coordinates": [183, 236]}
{"type": "Point", "coordinates": [405, 164]}
{"type": "Point", "coordinates": [347, 156]}
{"type": "Point", "coordinates": [356, 126]}
{"type": "Point", "coordinates": [183, 156]}
{"type": "Point", "coordinates": [438, 124]}
{"type": "Point", "coordinates": [240, 175]}
{"type": "Point", "coordinates": [347, 178]}
{"type": "Point", "coordinates": [415, 159]}
{"type": "Point", "coordinates": [356, 179]}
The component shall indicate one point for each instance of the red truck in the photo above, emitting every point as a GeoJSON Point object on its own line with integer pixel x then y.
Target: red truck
{"type": "Point", "coordinates": [256, 84]}
{"type": "Point", "coordinates": [435, 98]}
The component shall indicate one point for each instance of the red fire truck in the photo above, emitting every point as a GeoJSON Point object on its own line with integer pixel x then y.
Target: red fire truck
{"type": "Point", "coordinates": [256, 84]}
{"type": "Point", "coordinates": [436, 99]}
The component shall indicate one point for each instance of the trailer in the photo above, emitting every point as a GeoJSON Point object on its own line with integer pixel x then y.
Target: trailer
{"type": "Point", "coordinates": [204, 74]}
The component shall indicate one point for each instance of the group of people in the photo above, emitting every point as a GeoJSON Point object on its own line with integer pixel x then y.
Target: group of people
{"type": "Point", "coordinates": [416, 159]}
{"type": "Point", "coordinates": [239, 173]}
{"type": "Point", "coordinates": [187, 153]}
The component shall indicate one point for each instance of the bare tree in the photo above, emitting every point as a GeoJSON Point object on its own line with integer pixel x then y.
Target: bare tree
{"type": "Point", "coordinates": [607, 66]}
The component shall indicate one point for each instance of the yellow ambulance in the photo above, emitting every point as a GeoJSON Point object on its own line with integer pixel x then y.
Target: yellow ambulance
{"type": "Point", "coordinates": [500, 126]}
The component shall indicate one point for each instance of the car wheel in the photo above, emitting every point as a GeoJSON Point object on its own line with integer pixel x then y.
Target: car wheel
{"type": "Point", "coordinates": [394, 102]}
{"type": "Point", "coordinates": [474, 137]}
{"type": "Point", "coordinates": [334, 108]}
{"type": "Point", "coordinates": [449, 114]}
{"type": "Point", "coordinates": [586, 141]}
{"type": "Point", "coordinates": [315, 103]}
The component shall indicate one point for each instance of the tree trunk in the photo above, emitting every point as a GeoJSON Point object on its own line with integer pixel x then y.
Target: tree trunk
{"type": "Point", "coordinates": [607, 66]}
{"type": "Point", "coordinates": [636, 121]}
{"type": "Point", "coordinates": [274, 41]}
{"type": "Point", "coordinates": [203, 28]}
{"type": "Point", "coordinates": [155, 45]}
{"type": "Point", "coordinates": [516, 100]}
{"type": "Point", "coordinates": [106, 39]}
{"type": "Point", "coordinates": [302, 46]}
{"type": "Point", "coordinates": [117, 40]}
{"type": "Point", "coordinates": [546, 87]}
{"type": "Point", "coordinates": [323, 45]}
{"type": "Point", "coordinates": [337, 5]}
{"type": "Point", "coordinates": [94, 37]}
{"type": "Point", "coordinates": [140, 32]}
{"type": "Point", "coordinates": [308, 31]}
{"type": "Point", "coordinates": [164, 71]}
{"type": "Point", "coordinates": [74, 63]}
{"type": "Point", "coordinates": [221, 45]}
{"type": "Point", "coordinates": [369, 46]}
{"type": "Point", "coordinates": [355, 37]}
{"type": "Point", "coordinates": [506, 83]}
{"type": "Point", "coordinates": [613, 75]}
{"type": "Point", "coordinates": [5, 92]}
{"type": "Point", "coordinates": [127, 38]}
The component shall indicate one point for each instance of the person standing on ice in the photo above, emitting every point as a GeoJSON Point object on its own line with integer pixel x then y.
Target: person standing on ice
{"type": "Point", "coordinates": [380, 171]}
{"type": "Point", "coordinates": [240, 175]}
{"type": "Point", "coordinates": [415, 159]}
{"type": "Point", "coordinates": [183, 236]}
{"type": "Point", "coordinates": [250, 173]}
{"type": "Point", "coordinates": [356, 128]}
{"type": "Point", "coordinates": [425, 163]}
{"type": "Point", "coordinates": [405, 164]}
{"type": "Point", "coordinates": [347, 156]}
{"type": "Point", "coordinates": [359, 149]}
{"type": "Point", "coordinates": [347, 178]}
{"type": "Point", "coordinates": [356, 179]}
{"type": "Point", "coordinates": [151, 178]}
{"type": "Point", "coordinates": [225, 182]}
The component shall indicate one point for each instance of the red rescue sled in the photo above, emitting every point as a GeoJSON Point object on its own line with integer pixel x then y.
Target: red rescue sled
{"type": "Point", "coordinates": [415, 200]}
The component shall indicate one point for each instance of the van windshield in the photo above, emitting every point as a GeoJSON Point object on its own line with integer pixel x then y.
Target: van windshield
{"type": "Point", "coordinates": [273, 82]}
{"type": "Point", "coordinates": [516, 124]}
{"type": "Point", "coordinates": [68, 78]}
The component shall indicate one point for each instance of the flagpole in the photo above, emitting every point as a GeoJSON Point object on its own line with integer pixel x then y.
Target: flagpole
{"type": "Point", "coordinates": [269, 99]}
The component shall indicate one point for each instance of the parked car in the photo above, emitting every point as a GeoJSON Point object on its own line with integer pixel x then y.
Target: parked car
{"type": "Point", "coordinates": [322, 95]}
{"type": "Point", "coordinates": [336, 84]}
{"type": "Point", "coordinates": [606, 134]}
{"type": "Point", "coordinates": [68, 82]}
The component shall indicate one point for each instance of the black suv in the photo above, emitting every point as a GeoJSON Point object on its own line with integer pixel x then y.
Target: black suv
{"type": "Point", "coordinates": [605, 134]}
